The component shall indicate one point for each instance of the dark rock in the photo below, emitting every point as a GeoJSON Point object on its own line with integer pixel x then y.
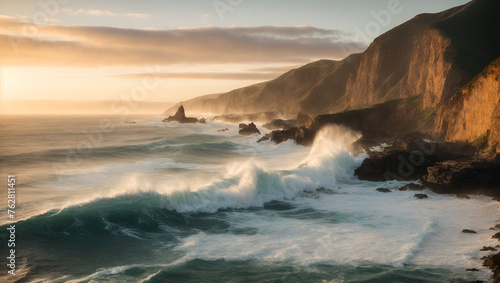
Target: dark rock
{"type": "Point", "coordinates": [493, 262]}
{"type": "Point", "coordinates": [471, 177]}
{"type": "Point", "coordinates": [283, 135]}
{"type": "Point", "coordinates": [202, 121]}
{"type": "Point", "coordinates": [384, 190]}
{"type": "Point", "coordinates": [496, 236]}
{"type": "Point", "coordinates": [421, 196]}
{"type": "Point", "coordinates": [406, 159]}
{"type": "Point", "coordinates": [180, 117]}
{"type": "Point", "coordinates": [266, 137]}
{"type": "Point", "coordinates": [248, 129]}
{"type": "Point", "coordinates": [488, 249]}
{"type": "Point", "coordinates": [468, 231]}
{"type": "Point", "coordinates": [223, 130]}
{"type": "Point", "coordinates": [304, 136]}
{"type": "Point", "coordinates": [497, 226]}
{"type": "Point", "coordinates": [412, 187]}
{"type": "Point", "coordinates": [449, 168]}
{"type": "Point", "coordinates": [464, 196]}
{"type": "Point", "coordinates": [472, 269]}
{"type": "Point", "coordinates": [301, 136]}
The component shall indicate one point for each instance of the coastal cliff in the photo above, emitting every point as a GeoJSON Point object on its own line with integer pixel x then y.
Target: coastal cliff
{"type": "Point", "coordinates": [473, 111]}
{"type": "Point", "coordinates": [431, 55]}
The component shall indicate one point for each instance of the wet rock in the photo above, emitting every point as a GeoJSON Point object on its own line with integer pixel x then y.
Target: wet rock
{"type": "Point", "coordinates": [301, 136]}
{"type": "Point", "coordinates": [497, 226]}
{"type": "Point", "coordinates": [384, 190]}
{"type": "Point", "coordinates": [472, 177]}
{"type": "Point", "coordinates": [493, 262]}
{"type": "Point", "coordinates": [412, 187]}
{"type": "Point", "coordinates": [223, 130]}
{"type": "Point", "coordinates": [248, 129]}
{"type": "Point", "coordinates": [202, 121]}
{"type": "Point", "coordinates": [496, 236]}
{"type": "Point", "coordinates": [421, 196]}
{"type": "Point", "coordinates": [472, 269]}
{"type": "Point", "coordinates": [488, 249]}
{"type": "Point", "coordinates": [468, 231]}
{"type": "Point", "coordinates": [265, 137]}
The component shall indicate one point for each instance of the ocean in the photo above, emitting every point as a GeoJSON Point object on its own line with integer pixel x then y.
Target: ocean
{"type": "Point", "coordinates": [108, 199]}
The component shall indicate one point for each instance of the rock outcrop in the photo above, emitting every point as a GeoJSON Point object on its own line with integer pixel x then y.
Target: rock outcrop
{"type": "Point", "coordinates": [464, 177]}
{"type": "Point", "coordinates": [180, 116]}
{"type": "Point", "coordinates": [493, 262]}
{"type": "Point", "coordinates": [301, 135]}
{"type": "Point", "coordinates": [248, 129]}
{"type": "Point", "coordinates": [408, 159]}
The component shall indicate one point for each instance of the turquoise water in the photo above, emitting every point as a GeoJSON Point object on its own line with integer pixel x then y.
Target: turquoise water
{"type": "Point", "coordinates": [157, 202]}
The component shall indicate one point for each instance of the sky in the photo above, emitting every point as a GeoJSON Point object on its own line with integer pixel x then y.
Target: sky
{"type": "Point", "coordinates": [171, 51]}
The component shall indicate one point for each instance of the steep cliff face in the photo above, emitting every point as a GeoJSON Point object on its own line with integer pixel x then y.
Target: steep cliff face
{"type": "Point", "coordinates": [451, 51]}
{"type": "Point", "coordinates": [431, 67]}
{"type": "Point", "coordinates": [473, 110]}
{"type": "Point", "coordinates": [381, 71]}
{"type": "Point", "coordinates": [494, 137]}
{"type": "Point", "coordinates": [432, 55]}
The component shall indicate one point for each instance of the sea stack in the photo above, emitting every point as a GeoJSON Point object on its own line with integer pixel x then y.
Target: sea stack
{"type": "Point", "coordinates": [180, 116]}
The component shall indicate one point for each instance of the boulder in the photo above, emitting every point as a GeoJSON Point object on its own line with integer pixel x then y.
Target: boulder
{"type": "Point", "coordinates": [384, 190]}
{"type": "Point", "coordinates": [468, 231]}
{"type": "Point", "coordinates": [421, 196]}
{"type": "Point", "coordinates": [248, 129]}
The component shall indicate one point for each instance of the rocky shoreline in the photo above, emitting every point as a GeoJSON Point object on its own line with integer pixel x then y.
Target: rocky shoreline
{"type": "Point", "coordinates": [458, 168]}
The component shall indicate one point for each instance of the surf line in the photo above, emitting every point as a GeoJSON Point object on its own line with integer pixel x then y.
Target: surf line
{"type": "Point", "coordinates": [11, 213]}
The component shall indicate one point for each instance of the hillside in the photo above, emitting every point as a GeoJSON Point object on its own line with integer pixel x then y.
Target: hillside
{"type": "Point", "coordinates": [313, 88]}
{"type": "Point", "coordinates": [431, 55]}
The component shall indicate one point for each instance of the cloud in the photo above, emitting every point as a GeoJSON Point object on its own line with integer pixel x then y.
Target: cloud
{"type": "Point", "coordinates": [94, 12]}
{"type": "Point", "coordinates": [205, 76]}
{"type": "Point", "coordinates": [23, 43]}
